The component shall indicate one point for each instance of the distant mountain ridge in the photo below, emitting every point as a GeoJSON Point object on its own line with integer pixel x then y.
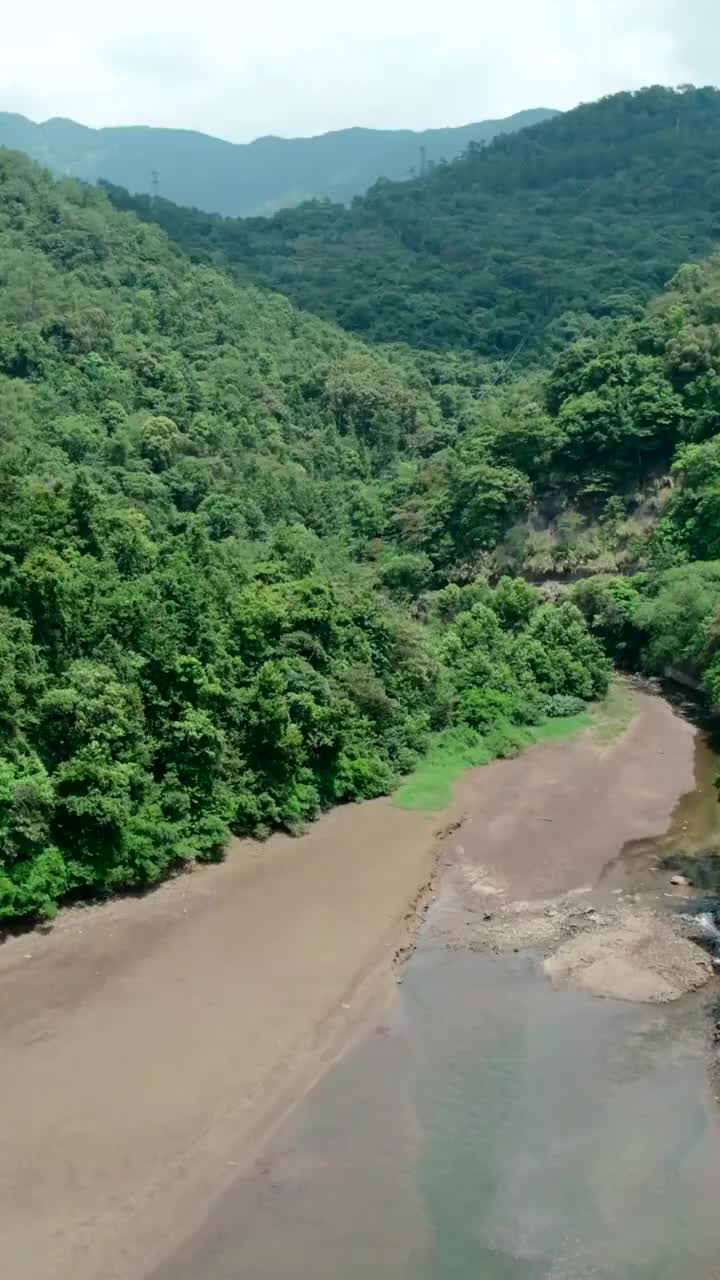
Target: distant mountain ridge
{"type": "Point", "coordinates": [239, 179]}
{"type": "Point", "coordinates": [511, 250]}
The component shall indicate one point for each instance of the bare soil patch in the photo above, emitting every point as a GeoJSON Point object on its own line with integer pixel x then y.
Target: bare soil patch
{"type": "Point", "coordinates": [539, 830]}
{"type": "Point", "coordinates": [147, 1045]}
{"type": "Point", "coordinates": [552, 818]}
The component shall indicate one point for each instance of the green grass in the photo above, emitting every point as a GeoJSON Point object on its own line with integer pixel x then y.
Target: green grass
{"type": "Point", "coordinates": [612, 716]}
{"type": "Point", "coordinates": [430, 784]}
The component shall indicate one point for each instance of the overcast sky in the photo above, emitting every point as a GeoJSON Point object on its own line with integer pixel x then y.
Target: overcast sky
{"type": "Point", "coordinates": [297, 67]}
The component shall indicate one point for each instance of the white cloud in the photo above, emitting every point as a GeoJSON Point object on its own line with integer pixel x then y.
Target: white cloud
{"type": "Point", "coordinates": [305, 66]}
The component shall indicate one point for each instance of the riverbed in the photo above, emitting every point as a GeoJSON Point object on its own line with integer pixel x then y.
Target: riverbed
{"type": "Point", "coordinates": [490, 1125]}
{"type": "Point", "coordinates": [169, 1103]}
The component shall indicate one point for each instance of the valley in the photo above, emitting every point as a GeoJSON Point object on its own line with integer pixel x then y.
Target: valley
{"type": "Point", "coordinates": [353, 860]}
{"type": "Point", "coordinates": [163, 1046]}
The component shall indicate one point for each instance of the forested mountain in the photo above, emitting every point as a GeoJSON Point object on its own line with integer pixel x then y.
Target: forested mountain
{"type": "Point", "coordinates": [658, 385]}
{"type": "Point", "coordinates": [258, 177]}
{"type": "Point", "coordinates": [251, 566]}
{"type": "Point", "coordinates": [205, 614]}
{"type": "Point", "coordinates": [511, 250]}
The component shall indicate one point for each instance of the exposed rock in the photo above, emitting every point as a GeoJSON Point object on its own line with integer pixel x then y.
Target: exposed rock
{"type": "Point", "coordinates": [640, 956]}
{"type": "Point", "coordinates": [628, 951]}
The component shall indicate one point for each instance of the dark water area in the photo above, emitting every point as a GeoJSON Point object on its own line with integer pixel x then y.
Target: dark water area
{"type": "Point", "coordinates": [495, 1128]}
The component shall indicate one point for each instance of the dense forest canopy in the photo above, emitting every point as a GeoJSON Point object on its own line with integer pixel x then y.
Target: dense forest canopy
{"type": "Point", "coordinates": [251, 566]}
{"type": "Point", "coordinates": [197, 637]}
{"type": "Point", "coordinates": [667, 616]}
{"type": "Point", "coordinates": [510, 251]}
{"type": "Point", "coordinates": [244, 178]}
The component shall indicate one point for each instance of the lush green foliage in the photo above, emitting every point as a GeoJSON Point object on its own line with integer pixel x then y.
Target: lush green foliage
{"type": "Point", "coordinates": [666, 618]}
{"type": "Point", "coordinates": [187, 647]}
{"type": "Point", "coordinates": [664, 622]}
{"type": "Point", "coordinates": [624, 402]}
{"type": "Point", "coordinates": [256, 177]}
{"type": "Point", "coordinates": [549, 474]}
{"type": "Point", "coordinates": [430, 785]}
{"type": "Point", "coordinates": [245, 560]}
{"type": "Point", "coordinates": [512, 250]}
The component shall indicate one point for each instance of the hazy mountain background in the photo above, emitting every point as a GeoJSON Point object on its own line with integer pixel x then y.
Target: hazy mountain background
{"type": "Point", "coordinates": [510, 250]}
{"type": "Point", "coordinates": [245, 178]}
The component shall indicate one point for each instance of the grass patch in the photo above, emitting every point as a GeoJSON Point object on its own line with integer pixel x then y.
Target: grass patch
{"type": "Point", "coordinates": [612, 716]}
{"type": "Point", "coordinates": [429, 786]}
{"type": "Point", "coordinates": [560, 727]}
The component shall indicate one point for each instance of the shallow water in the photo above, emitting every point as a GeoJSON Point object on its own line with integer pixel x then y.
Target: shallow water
{"type": "Point", "coordinates": [495, 1128]}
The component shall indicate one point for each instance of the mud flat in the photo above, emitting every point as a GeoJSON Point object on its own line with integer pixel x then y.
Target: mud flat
{"type": "Point", "coordinates": [532, 865]}
{"type": "Point", "coordinates": [149, 1047]}
{"type": "Point", "coordinates": [499, 1120]}
{"type": "Point", "coordinates": [551, 820]}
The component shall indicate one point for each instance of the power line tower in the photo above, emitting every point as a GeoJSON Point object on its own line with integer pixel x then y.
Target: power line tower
{"type": "Point", "coordinates": [423, 161]}
{"type": "Point", "coordinates": [155, 178]}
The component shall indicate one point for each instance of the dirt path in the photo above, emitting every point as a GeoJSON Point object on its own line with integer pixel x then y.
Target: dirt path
{"type": "Point", "coordinates": [144, 1045]}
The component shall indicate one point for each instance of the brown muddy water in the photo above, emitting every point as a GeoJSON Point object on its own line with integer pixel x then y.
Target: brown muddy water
{"type": "Point", "coordinates": [493, 1127]}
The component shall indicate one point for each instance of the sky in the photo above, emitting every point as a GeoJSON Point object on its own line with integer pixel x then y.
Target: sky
{"type": "Point", "coordinates": [299, 67]}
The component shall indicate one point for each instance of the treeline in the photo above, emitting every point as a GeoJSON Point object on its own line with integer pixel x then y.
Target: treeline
{"type": "Point", "coordinates": [571, 469]}
{"type": "Point", "coordinates": [246, 178]}
{"type": "Point", "coordinates": [510, 251]}
{"type": "Point", "coordinates": [250, 566]}
{"type": "Point", "coordinates": [198, 634]}
{"type": "Point", "coordinates": [662, 623]}
{"type": "Point", "coordinates": [669, 615]}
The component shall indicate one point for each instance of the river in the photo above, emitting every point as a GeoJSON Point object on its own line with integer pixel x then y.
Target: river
{"type": "Point", "coordinates": [492, 1126]}
{"type": "Point", "coordinates": [170, 1110]}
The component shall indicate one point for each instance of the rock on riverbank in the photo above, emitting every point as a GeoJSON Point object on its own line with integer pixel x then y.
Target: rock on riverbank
{"type": "Point", "coordinates": [626, 950]}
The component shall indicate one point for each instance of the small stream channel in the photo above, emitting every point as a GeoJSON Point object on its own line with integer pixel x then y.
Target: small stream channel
{"type": "Point", "coordinates": [493, 1127]}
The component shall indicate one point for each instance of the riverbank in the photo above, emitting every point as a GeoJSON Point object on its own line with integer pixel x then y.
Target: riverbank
{"type": "Point", "coordinates": [490, 1123]}
{"type": "Point", "coordinates": [148, 1045]}
{"type": "Point", "coordinates": [510, 881]}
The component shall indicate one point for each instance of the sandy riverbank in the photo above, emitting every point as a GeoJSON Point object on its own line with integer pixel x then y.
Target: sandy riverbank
{"type": "Point", "coordinates": [146, 1045]}
{"type": "Point", "coordinates": [523, 870]}
{"type": "Point", "coordinates": [550, 821]}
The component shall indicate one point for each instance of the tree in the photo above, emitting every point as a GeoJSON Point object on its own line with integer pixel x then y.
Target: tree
{"type": "Point", "coordinates": [406, 576]}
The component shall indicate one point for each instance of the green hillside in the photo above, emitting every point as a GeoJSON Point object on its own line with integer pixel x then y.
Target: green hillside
{"type": "Point", "coordinates": [259, 177]}
{"type": "Point", "coordinates": [251, 566]}
{"type": "Point", "coordinates": [511, 250]}
{"type": "Point", "coordinates": [653, 390]}
{"type": "Point", "coordinates": [206, 614]}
